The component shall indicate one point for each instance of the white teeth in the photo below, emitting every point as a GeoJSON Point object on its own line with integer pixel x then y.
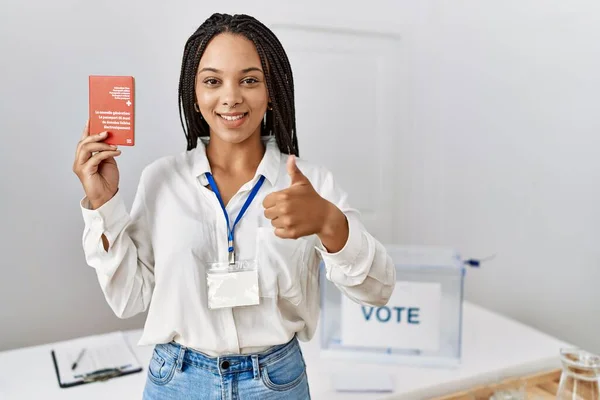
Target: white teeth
{"type": "Point", "coordinates": [229, 118]}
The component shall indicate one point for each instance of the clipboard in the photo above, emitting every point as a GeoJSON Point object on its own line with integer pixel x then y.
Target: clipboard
{"type": "Point", "coordinates": [95, 376]}
{"type": "Point", "coordinates": [108, 356]}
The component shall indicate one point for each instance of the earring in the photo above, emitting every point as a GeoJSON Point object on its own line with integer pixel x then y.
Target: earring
{"type": "Point", "coordinates": [270, 106]}
{"type": "Point", "coordinates": [196, 107]}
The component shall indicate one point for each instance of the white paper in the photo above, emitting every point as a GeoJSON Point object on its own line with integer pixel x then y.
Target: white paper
{"type": "Point", "coordinates": [232, 289]}
{"type": "Point", "coordinates": [109, 350]}
{"type": "Point", "coordinates": [410, 320]}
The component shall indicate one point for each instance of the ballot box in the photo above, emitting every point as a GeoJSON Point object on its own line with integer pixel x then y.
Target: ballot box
{"type": "Point", "coordinates": [421, 323]}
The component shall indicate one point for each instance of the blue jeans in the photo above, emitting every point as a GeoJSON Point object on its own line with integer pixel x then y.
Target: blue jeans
{"type": "Point", "coordinates": [178, 373]}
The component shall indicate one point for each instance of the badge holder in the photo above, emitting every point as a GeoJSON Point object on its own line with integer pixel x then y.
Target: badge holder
{"type": "Point", "coordinates": [232, 284]}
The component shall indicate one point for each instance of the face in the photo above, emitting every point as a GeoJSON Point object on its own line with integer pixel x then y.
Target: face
{"type": "Point", "coordinates": [230, 88]}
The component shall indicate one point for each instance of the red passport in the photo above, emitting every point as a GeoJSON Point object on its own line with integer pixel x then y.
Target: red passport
{"type": "Point", "coordinates": [112, 105]}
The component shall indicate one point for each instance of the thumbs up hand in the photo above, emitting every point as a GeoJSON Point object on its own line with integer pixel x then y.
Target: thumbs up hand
{"type": "Point", "coordinates": [300, 211]}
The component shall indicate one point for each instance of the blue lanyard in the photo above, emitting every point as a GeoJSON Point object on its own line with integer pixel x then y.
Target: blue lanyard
{"type": "Point", "coordinates": [230, 229]}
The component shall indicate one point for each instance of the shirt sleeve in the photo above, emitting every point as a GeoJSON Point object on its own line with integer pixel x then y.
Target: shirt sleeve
{"type": "Point", "coordinates": [126, 271]}
{"type": "Point", "coordinates": [362, 269]}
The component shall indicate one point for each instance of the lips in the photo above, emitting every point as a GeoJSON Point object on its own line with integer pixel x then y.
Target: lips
{"type": "Point", "coordinates": [233, 120]}
{"type": "Point", "coordinates": [232, 117]}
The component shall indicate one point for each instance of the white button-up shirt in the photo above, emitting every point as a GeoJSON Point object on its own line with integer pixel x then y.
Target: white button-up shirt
{"type": "Point", "coordinates": [158, 255]}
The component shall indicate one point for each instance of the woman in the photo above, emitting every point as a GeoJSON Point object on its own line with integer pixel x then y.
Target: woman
{"type": "Point", "coordinates": [226, 238]}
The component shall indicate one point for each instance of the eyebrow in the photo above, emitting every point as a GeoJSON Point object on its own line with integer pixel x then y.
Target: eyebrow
{"type": "Point", "coordinates": [218, 71]}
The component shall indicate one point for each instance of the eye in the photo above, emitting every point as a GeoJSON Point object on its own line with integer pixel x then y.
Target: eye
{"type": "Point", "coordinates": [250, 81]}
{"type": "Point", "coordinates": [210, 82]}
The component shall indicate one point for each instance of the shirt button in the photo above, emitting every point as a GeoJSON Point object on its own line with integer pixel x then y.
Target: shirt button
{"type": "Point", "coordinates": [225, 364]}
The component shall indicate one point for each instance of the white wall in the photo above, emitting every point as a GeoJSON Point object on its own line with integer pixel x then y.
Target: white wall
{"type": "Point", "coordinates": [503, 155]}
{"type": "Point", "coordinates": [498, 156]}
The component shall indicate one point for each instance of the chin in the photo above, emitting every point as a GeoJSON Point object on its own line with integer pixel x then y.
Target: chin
{"type": "Point", "coordinates": [232, 136]}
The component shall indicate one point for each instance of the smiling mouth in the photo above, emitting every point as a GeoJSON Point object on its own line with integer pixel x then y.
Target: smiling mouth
{"type": "Point", "coordinates": [232, 117]}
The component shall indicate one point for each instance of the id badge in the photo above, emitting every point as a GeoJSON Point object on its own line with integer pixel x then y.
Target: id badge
{"type": "Point", "coordinates": [232, 285]}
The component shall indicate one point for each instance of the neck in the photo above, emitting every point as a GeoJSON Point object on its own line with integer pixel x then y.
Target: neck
{"type": "Point", "coordinates": [235, 158]}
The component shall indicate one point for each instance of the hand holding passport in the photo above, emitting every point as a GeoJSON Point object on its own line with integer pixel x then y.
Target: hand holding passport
{"type": "Point", "coordinates": [111, 123]}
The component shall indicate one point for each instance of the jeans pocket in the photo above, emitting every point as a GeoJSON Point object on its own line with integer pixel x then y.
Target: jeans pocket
{"type": "Point", "coordinates": [161, 368]}
{"type": "Point", "coordinates": [286, 373]}
{"type": "Point", "coordinates": [281, 382]}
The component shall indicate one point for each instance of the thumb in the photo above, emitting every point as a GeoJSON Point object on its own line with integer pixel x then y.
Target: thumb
{"type": "Point", "coordinates": [293, 171]}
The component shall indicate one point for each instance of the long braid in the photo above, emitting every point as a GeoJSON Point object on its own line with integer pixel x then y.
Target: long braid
{"type": "Point", "coordinates": [281, 120]}
{"type": "Point", "coordinates": [284, 98]}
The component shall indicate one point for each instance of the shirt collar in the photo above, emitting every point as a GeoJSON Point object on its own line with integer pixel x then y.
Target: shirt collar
{"type": "Point", "coordinates": [269, 165]}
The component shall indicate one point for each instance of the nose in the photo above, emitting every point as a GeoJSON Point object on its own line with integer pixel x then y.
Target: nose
{"type": "Point", "coordinates": [232, 95]}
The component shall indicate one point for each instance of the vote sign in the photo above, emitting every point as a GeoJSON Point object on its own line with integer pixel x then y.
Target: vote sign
{"type": "Point", "coordinates": [410, 320]}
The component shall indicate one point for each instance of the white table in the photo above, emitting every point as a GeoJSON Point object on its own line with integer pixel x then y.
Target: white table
{"type": "Point", "coordinates": [493, 347]}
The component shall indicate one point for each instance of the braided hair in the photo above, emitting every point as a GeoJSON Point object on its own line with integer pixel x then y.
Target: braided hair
{"type": "Point", "coordinates": [281, 118]}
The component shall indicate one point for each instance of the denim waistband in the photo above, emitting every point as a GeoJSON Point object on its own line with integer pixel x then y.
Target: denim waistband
{"type": "Point", "coordinates": [229, 364]}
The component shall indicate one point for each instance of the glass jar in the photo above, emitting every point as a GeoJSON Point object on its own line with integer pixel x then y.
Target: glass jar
{"type": "Point", "coordinates": [580, 377]}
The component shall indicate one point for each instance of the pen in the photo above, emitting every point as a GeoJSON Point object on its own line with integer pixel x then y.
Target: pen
{"type": "Point", "coordinates": [78, 359]}
{"type": "Point", "coordinates": [103, 373]}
